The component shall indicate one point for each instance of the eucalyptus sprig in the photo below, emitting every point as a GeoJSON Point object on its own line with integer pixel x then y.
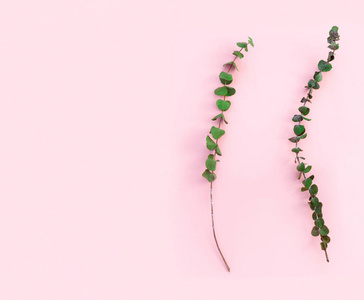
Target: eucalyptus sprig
{"type": "Point", "coordinates": [320, 229]}
{"type": "Point", "coordinates": [212, 142]}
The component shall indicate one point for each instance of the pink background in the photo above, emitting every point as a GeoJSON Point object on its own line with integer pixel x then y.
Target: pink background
{"type": "Point", "coordinates": [105, 106]}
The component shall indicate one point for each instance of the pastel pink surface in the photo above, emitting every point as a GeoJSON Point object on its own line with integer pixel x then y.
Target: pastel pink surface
{"type": "Point", "coordinates": [105, 106]}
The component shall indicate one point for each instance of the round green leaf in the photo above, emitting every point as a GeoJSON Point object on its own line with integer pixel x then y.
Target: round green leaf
{"type": "Point", "coordinates": [324, 66]}
{"type": "Point", "coordinates": [326, 239]}
{"type": "Point", "coordinates": [210, 144]}
{"type": "Point", "coordinates": [318, 76]}
{"type": "Point", "coordinates": [210, 164]}
{"type": "Point", "coordinates": [297, 118]}
{"type": "Point", "coordinates": [299, 129]}
{"type": "Point", "coordinates": [225, 78]}
{"type": "Point", "coordinates": [315, 201]}
{"type": "Point", "coordinates": [209, 175]}
{"type": "Point", "coordinates": [314, 216]}
{"type": "Point", "coordinates": [232, 63]}
{"type": "Point", "coordinates": [223, 105]}
{"type": "Point", "coordinates": [300, 167]}
{"type": "Point", "coordinates": [313, 189]}
{"type": "Point", "coordinates": [307, 182]}
{"type": "Point", "coordinates": [319, 222]}
{"type": "Point", "coordinates": [304, 110]}
{"type": "Point", "coordinates": [230, 91]}
{"type": "Point", "coordinates": [221, 91]}
{"type": "Point", "coordinates": [217, 132]}
{"type": "Point", "coordinates": [315, 231]}
{"type": "Point", "coordinates": [324, 230]}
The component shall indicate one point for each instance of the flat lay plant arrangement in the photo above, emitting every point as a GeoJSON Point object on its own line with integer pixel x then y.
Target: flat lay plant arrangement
{"type": "Point", "coordinates": [216, 132]}
{"type": "Point", "coordinates": [320, 228]}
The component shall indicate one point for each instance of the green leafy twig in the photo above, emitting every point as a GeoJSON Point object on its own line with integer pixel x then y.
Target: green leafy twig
{"type": "Point", "coordinates": [212, 142]}
{"type": "Point", "coordinates": [320, 229]}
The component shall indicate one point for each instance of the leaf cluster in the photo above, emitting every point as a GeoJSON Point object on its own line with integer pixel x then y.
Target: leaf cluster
{"type": "Point", "coordinates": [225, 90]}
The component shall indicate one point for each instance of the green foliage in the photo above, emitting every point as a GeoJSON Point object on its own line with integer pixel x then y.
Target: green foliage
{"type": "Point", "coordinates": [304, 110]}
{"type": "Point", "coordinates": [315, 201]}
{"type": "Point", "coordinates": [210, 144]}
{"type": "Point", "coordinates": [318, 76]}
{"type": "Point", "coordinates": [307, 182]}
{"type": "Point", "coordinates": [314, 189]}
{"type": "Point", "coordinates": [220, 116]}
{"type": "Point", "coordinates": [230, 91]}
{"type": "Point", "coordinates": [333, 46]}
{"type": "Point", "coordinates": [299, 129]}
{"type": "Point", "coordinates": [225, 78]}
{"type": "Point", "coordinates": [296, 150]}
{"type": "Point", "coordinates": [324, 66]}
{"type": "Point", "coordinates": [218, 151]}
{"type": "Point", "coordinates": [297, 118]}
{"type": "Point", "coordinates": [324, 230]}
{"type": "Point", "coordinates": [221, 91]}
{"type": "Point", "coordinates": [243, 46]}
{"type": "Point", "coordinates": [232, 63]}
{"type": "Point", "coordinates": [223, 105]}
{"type": "Point", "coordinates": [217, 132]}
{"type": "Point", "coordinates": [300, 167]}
{"type": "Point", "coordinates": [210, 163]}
{"type": "Point", "coordinates": [315, 231]}
{"type": "Point", "coordinates": [308, 169]}
{"type": "Point", "coordinates": [319, 222]}
{"type": "Point", "coordinates": [238, 54]}
{"type": "Point", "coordinates": [250, 41]}
{"type": "Point", "coordinates": [209, 175]}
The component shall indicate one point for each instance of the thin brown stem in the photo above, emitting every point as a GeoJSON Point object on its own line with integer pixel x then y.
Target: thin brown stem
{"type": "Point", "coordinates": [213, 230]}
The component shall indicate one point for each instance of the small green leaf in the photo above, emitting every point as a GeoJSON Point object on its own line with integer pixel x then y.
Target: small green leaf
{"type": "Point", "coordinates": [313, 84]}
{"type": "Point", "coordinates": [225, 78]}
{"type": "Point", "coordinates": [319, 222]}
{"type": "Point", "coordinates": [299, 129]}
{"type": "Point", "coordinates": [300, 167]}
{"type": "Point", "coordinates": [211, 163]}
{"type": "Point", "coordinates": [217, 132]}
{"type": "Point", "coordinates": [296, 150]}
{"type": "Point", "coordinates": [324, 66]}
{"type": "Point", "coordinates": [326, 239]}
{"type": "Point", "coordinates": [318, 209]}
{"type": "Point", "coordinates": [334, 30]}
{"type": "Point", "coordinates": [308, 169]}
{"type": "Point", "coordinates": [232, 63]}
{"type": "Point", "coordinates": [333, 46]}
{"type": "Point", "coordinates": [318, 76]}
{"type": "Point", "coordinates": [297, 118]}
{"type": "Point", "coordinates": [210, 144]}
{"type": "Point", "coordinates": [242, 45]}
{"type": "Point", "coordinates": [307, 182]}
{"type": "Point", "coordinates": [250, 41]}
{"type": "Point", "coordinates": [303, 189]}
{"type": "Point", "coordinates": [218, 151]}
{"type": "Point", "coordinates": [293, 139]}
{"type": "Point", "coordinates": [315, 231]}
{"type": "Point", "coordinates": [230, 91]}
{"type": "Point", "coordinates": [221, 91]}
{"type": "Point", "coordinates": [209, 175]}
{"type": "Point", "coordinates": [315, 201]}
{"type": "Point", "coordinates": [223, 105]}
{"type": "Point", "coordinates": [304, 110]}
{"type": "Point", "coordinates": [324, 230]}
{"type": "Point", "coordinates": [331, 56]}
{"type": "Point", "coordinates": [307, 119]}
{"type": "Point", "coordinates": [238, 54]}
{"type": "Point", "coordinates": [218, 117]}
{"type": "Point", "coordinates": [314, 216]}
{"type": "Point", "coordinates": [302, 136]}
{"type": "Point", "coordinates": [313, 189]}
{"type": "Point", "coordinates": [311, 205]}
